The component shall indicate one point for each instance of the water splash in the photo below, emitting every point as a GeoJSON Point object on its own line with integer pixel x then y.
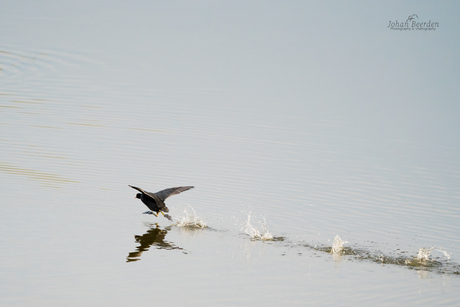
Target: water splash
{"type": "Point", "coordinates": [191, 220]}
{"type": "Point", "coordinates": [424, 253]}
{"type": "Point", "coordinates": [255, 234]}
{"type": "Point", "coordinates": [424, 260]}
{"type": "Point", "coordinates": [337, 245]}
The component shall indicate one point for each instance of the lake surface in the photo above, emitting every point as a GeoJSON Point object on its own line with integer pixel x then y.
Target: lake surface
{"type": "Point", "coordinates": [323, 146]}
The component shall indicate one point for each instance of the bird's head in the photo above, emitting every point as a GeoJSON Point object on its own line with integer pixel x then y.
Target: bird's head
{"type": "Point", "coordinates": [139, 195]}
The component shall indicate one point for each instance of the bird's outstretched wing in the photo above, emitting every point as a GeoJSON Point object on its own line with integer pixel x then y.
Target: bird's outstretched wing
{"type": "Point", "coordinates": [139, 189]}
{"type": "Point", "coordinates": [171, 191]}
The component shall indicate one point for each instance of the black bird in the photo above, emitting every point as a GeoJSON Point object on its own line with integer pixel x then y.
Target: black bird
{"type": "Point", "coordinates": [155, 201]}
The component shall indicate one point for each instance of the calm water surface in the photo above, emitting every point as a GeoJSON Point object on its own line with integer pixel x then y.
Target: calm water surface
{"type": "Point", "coordinates": [291, 133]}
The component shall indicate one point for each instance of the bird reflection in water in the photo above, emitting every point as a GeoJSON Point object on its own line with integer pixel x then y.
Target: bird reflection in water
{"type": "Point", "coordinates": [154, 236]}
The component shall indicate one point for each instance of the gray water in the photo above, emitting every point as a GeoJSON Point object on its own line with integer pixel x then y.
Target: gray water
{"type": "Point", "coordinates": [296, 122]}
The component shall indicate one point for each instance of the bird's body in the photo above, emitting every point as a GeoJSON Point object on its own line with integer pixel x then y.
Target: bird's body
{"type": "Point", "coordinates": [156, 201]}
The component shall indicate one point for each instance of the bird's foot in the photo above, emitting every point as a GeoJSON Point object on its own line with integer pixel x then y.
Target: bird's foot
{"type": "Point", "coordinates": [148, 212]}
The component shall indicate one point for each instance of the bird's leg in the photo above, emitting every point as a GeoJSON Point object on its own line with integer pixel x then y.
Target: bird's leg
{"type": "Point", "coordinates": [162, 213]}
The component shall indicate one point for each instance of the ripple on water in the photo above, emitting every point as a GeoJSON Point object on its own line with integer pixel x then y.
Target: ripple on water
{"type": "Point", "coordinates": [30, 64]}
{"type": "Point", "coordinates": [45, 178]}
